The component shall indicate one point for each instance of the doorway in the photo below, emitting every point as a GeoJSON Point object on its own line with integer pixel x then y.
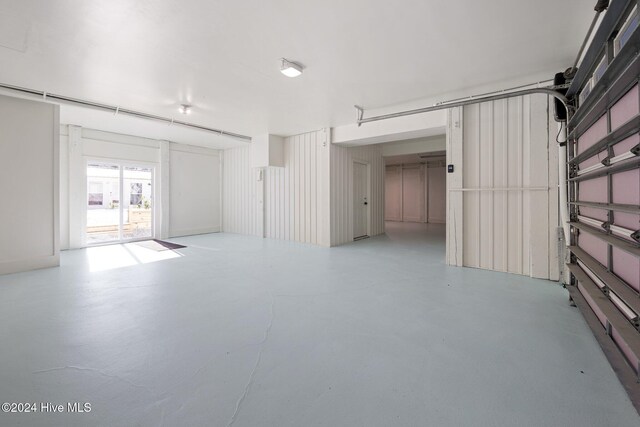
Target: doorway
{"type": "Point", "coordinates": [361, 210]}
{"type": "Point", "coordinates": [119, 202]}
{"type": "Point", "coordinates": [415, 188]}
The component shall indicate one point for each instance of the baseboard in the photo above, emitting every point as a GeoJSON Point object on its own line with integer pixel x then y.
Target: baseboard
{"type": "Point", "coordinates": [9, 267]}
{"type": "Point", "coordinates": [194, 231]}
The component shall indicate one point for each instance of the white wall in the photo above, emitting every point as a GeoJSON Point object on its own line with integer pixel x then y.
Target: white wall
{"type": "Point", "coordinates": [288, 203]}
{"type": "Point", "coordinates": [413, 193]}
{"type": "Point", "coordinates": [408, 127]}
{"type": "Point", "coordinates": [413, 146]}
{"type": "Point", "coordinates": [195, 191]}
{"type": "Point", "coordinates": [184, 176]}
{"type": "Point", "coordinates": [29, 185]}
{"type": "Point", "coordinates": [502, 197]}
{"type": "Point", "coordinates": [428, 196]}
{"type": "Point", "coordinates": [295, 202]}
{"type": "Point", "coordinates": [296, 196]}
{"type": "Point", "coordinates": [393, 193]}
{"type": "Point", "coordinates": [240, 204]}
{"type": "Point", "coordinates": [342, 190]}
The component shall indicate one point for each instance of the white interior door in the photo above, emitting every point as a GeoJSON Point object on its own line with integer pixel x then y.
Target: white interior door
{"type": "Point", "coordinates": [413, 194]}
{"type": "Point", "coordinates": [360, 200]}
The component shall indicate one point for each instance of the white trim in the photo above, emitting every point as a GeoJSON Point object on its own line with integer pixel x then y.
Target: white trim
{"type": "Point", "coordinates": [9, 267]}
{"type": "Point", "coordinates": [194, 231]}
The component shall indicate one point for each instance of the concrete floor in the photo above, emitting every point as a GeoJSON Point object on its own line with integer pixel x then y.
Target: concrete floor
{"type": "Point", "coordinates": [241, 331]}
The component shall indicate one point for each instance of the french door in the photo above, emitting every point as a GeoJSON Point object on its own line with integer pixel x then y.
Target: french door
{"type": "Point", "coordinates": [119, 202]}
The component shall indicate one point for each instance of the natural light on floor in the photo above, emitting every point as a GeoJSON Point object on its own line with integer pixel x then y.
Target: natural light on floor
{"type": "Point", "coordinates": [117, 256]}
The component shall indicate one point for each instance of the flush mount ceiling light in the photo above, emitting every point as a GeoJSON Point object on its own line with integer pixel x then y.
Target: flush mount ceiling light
{"type": "Point", "coordinates": [290, 69]}
{"type": "Point", "coordinates": [185, 109]}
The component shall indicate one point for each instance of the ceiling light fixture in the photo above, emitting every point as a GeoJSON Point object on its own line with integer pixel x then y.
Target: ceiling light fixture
{"type": "Point", "coordinates": [185, 109]}
{"type": "Point", "coordinates": [290, 69]}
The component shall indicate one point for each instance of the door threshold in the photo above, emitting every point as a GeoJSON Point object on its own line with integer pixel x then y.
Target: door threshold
{"type": "Point", "coordinates": [360, 238]}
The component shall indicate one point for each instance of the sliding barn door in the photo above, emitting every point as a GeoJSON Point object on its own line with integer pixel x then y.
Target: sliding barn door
{"type": "Point", "coordinates": [503, 212]}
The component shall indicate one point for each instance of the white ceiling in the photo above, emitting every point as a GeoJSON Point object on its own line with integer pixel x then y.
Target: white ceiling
{"type": "Point", "coordinates": [222, 56]}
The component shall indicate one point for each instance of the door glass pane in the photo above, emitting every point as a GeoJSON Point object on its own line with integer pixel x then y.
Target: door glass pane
{"type": "Point", "coordinates": [137, 213]}
{"type": "Point", "coordinates": [103, 198]}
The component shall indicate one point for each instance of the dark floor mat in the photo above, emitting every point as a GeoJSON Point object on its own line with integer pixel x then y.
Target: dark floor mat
{"type": "Point", "coordinates": [159, 245]}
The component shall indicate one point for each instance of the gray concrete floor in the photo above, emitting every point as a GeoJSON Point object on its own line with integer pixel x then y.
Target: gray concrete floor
{"type": "Point", "coordinates": [249, 332]}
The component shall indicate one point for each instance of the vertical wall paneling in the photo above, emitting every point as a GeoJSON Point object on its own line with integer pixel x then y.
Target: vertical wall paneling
{"type": "Point", "coordinates": [436, 189]}
{"type": "Point", "coordinates": [239, 185]}
{"type": "Point", "coordinates": [503, 178]}
{"type": "Point", "coordinates": [455, 183]}
{"type": "Point", "coordinates": [415, 193]}
{"type": "Point", "coordinates": [194, 189]}
{"type": "Point", "coordinates": [341, 166]}
{"type": "Point", "coordinates": [393, 193]}
{"type": "Point", "coordinates": [295, 205]}
{"type": "Point", "coordinates": [413, 204]}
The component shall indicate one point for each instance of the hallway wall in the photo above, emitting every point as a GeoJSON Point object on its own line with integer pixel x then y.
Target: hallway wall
{"type": "Point", "coordinates": [415, 193]}
{"type": "Point", "coordinates": [287, 203]}
{"type": "Point", "coordinates": [342, 190]}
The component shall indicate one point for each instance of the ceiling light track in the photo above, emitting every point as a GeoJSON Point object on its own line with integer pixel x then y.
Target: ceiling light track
{"type": "Point", "coordinates": [119, 110]}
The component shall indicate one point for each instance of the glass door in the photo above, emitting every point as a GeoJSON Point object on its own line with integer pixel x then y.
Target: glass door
{"type": "Point", "coordinates": [137, 221]}
{"type": "Point", "coordinates": [119, 203]}
{"type": "Point", "coordinates": [103, 203]}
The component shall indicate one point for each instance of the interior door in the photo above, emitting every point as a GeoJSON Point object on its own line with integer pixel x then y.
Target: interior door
{"type": "Point", "coordinates": [360, 200]}
{"type": "Point", "coordinates": [413, 194]}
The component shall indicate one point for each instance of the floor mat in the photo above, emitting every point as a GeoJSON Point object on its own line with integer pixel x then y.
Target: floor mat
{"type": "Point", "coordinates": [159, 245]}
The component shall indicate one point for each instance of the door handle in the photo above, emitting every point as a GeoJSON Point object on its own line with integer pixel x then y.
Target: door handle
{"type": "Point", "coordinates": [366, 203]}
